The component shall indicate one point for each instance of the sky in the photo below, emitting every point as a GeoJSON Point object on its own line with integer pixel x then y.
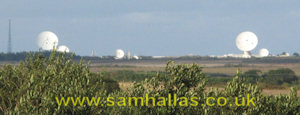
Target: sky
{"type": "Point", "coordinates": [152, 27]}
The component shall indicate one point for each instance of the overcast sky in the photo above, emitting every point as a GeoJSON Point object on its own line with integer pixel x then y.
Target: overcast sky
{"type": "Point", "coordinates": [152, 27]}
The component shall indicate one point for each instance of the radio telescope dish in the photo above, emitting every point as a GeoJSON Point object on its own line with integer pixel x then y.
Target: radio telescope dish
{"type": "Point", "coordinates": [246, 41]}
{"type": "Point", "coordinates": [135, 57]}
{"type": "Point", "coordinates": [63, 48]}
{"type": "Point", "coordinates": [47, 40]}
{"type": "Point", "coordinates": [263, 52]}
{"type": "Point", "coordinates": [119, 54]}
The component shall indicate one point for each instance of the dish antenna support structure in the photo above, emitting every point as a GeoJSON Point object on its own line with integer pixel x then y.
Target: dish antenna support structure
{"type": "Point", "coordinates": [246, 42]}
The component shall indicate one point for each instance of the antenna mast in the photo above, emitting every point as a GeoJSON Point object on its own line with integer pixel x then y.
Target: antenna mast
{"type": "Point", "coordinates": [9, 37]}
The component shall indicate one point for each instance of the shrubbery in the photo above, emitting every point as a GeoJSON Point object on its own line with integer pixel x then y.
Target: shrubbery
{"type": "Point", "coordinates": [272, 77]}
{"type": "Point", "coordinates": [31, 88]}
{"type": "Point", "coordinates": [189, 81]}
{"type": "Point", "coordinates": [280, 76]}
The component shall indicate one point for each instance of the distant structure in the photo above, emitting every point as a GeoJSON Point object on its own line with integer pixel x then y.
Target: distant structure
{"type": "Point", "coordinates": [93, 53]}
{"type": "Point", "coordinates": [128, 55]}
{"type": "Point", "coordinates": [158, 57]}
{"type": "Point", "coordinates": [47, 40]}
{"type": "Point", "coordinates": [63, 48]}
{"type": "Point", "coordinates": [264, 52]}
{"type": "Point", "coordinates": [246, 42]}
{"type": "Point", "coordinates": [284, 54]}
{"type": "Point", "coordinates": [135, 57]}
{"type": "Point", "coordinates": [9, 49]}
{"type": "Point", "coordinates": [119, 54]}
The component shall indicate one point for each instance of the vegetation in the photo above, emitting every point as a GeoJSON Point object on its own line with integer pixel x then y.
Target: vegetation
{"type": "Point", "coordinates": [252, 76]}
{"type": "Point", "coordinates": [296, 54]}
{"type": "Point", "coordinates": [128, 75]}
{"type": "Point", "coordinates": [189, 81]}
{"type": "Point", "coordinates": [31, 88]}
{"type": "Point", "coordinates": [21, 56]}
{"type": "Point", "coordinates": [280, 76]}
{"type": "Point", "coordinates": [272, 77]}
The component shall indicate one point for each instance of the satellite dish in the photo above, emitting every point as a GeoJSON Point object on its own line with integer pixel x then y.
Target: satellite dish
{"type": "Point", "coordinates": [246, 41]}
{"type": "Point", "coordinates": [47, 40]}
{"type": "Point", "coordinates": [63, 48]}
{"type": "Point", "coordinates": [264, 52]}
{"type": "Point", "coordinates": [135, 57]}
{"type": "Point", "coordinates": [119, 54]}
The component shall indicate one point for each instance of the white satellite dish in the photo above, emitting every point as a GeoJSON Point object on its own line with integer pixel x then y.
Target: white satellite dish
{"type": "Point", "coordinates": [264, 52]}
{"type": "Point", "coordinates": [119, 54]}
{"type": "Point", "coordinates": [246, 41]}
{"type": "Point", "coordinates": [47, 40]}
{"type": "Point", "coordinates": [63, 48]}
{"type": "Point", "coordinates": [135, 57]}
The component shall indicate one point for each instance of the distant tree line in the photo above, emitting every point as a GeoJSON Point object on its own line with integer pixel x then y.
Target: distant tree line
{"type": "Point", "coordinates": [273, 77]}
{"type": "Point", "coordinates": [20, 56]}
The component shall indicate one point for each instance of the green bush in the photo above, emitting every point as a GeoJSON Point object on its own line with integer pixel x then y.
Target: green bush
{"type": "Point", "coordinates": [32, 86]}
{"type": "Point", "coordinates": [189, 81]}
{"type": "Point", "coordinates": [252, 76]}
{"type": "Point", "coordinates": [280, 76]}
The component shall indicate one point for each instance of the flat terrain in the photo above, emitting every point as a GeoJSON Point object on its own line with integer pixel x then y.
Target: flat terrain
{"type": "Point", "coordinates": [125, 85]}
{"type": "Point", "coordinates": [228, 67]}
{"type": "Point", "coordinates": [221, 66]}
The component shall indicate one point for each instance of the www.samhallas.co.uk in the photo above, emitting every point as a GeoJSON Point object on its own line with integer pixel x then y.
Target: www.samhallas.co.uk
{"type": "Point", "coordinates": [171, 100]}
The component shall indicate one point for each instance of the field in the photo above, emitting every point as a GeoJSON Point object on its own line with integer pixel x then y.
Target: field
{"type": "Point", "coordinates": [228, 67]}
{"type": "Point", "coordinates": [125, 85]}
{"type": "Point", "coordinates": [222, 67]}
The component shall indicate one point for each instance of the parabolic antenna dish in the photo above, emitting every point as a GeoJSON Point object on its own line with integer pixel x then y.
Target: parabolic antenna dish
{"type": "Point", "coordinates": [135, 57]}
{"type": "Point", "coordinates": [63, 48]}
{"type": "Point", "coordinates": [263, 52]}
{"type": "Point", "coordinates": [47, 40]}
{"type": "Point", "coordinates": [119, 54]}
{"type": "Point", "coordinates": [246, 41]}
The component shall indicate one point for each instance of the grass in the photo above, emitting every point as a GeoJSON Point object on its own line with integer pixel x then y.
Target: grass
{"type": "Point", "coordinates": [220, 67]}
{"type": "Point", "coordinates": [275, 92]}
{"type": "Point", "coordinates": [262, 67]}
{"type": "Point", "coordinates": [212, 67]}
